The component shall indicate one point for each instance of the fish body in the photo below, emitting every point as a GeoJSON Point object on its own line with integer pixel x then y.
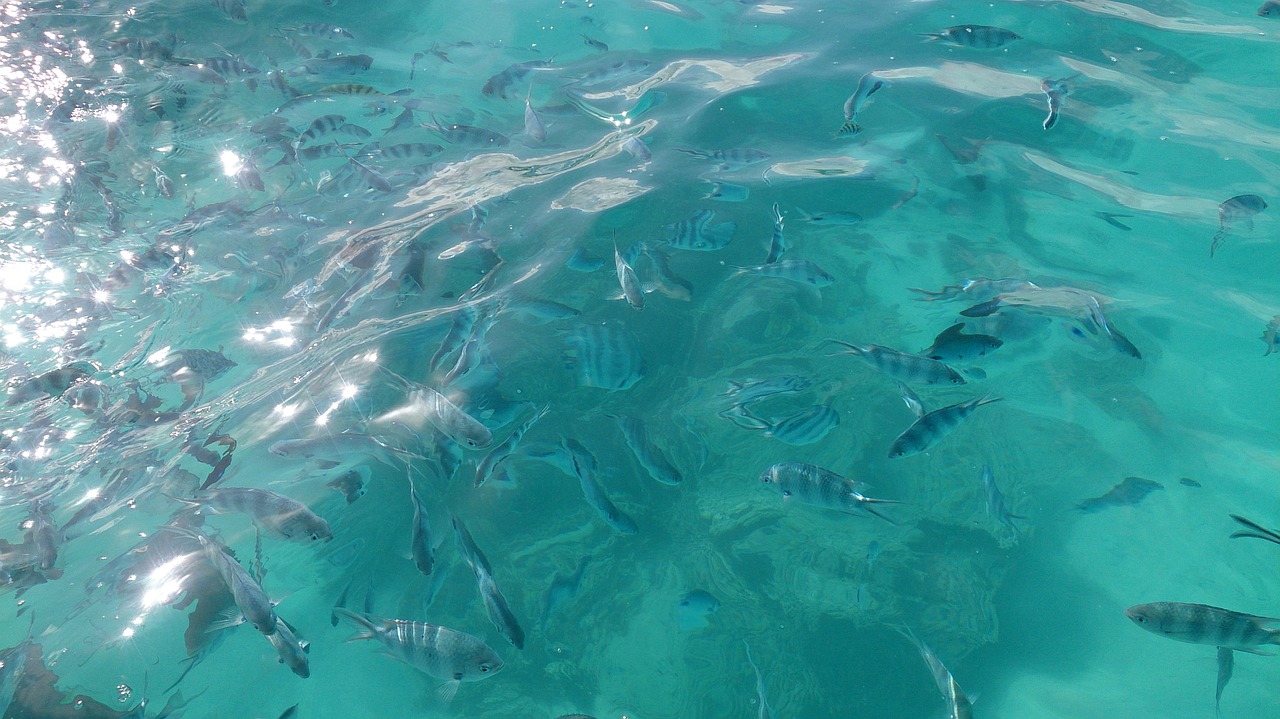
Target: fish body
{"type": "Point", "coordinates": [631, 289]}
{"type": "Point", "coordinates": [694, 609]}
{"type": "Point", "coordinates": [868, 85]}
{"type": "Point", "coordinates": [648, 454]}
{"type": "Point", "coordinates": [252, 602]}
{"type": "Point", "coordinates": [274, 512]}
{"type": "Point", "coordinates": [934, 426]}
{"type": "Point", "coordinates": [613, 72]}
{"type": "Point", "coordinates": [1271, 335]}
{"type": "Point", "coordinates": [1128, 493]}
{"type": "Point", "coordinates": [336, 64]}
{"type": "Point", "coordinates": [499, 611]}
{"type": "Point", "coordinates": [42, 535]}
{"type": "Point", "coordinates": [562, 589]}
{"type": "Point", "coordinates": [952, 345]}
{"type": "Point", "coordinates": [959, 705]}
{"type": "Point", "coordinates": [436, 651]}
{"type": "Point", "coordinates": [732, 158]}
{"type": "Point", "coordinates": [534, 128]}
{"type": "Point", "coordinates": [1270, 8]}
{"type": "Point", "coordinates": [323, 30]}
{"type": "Point", "coordinates": [1055, 91]}
{"type": "Point", "coordinates": [605, 356]}
{"type": "Point", "coordinates": [584, 466]}
{"type": "Point", "coordinates": [983, 37]}
{"type": "Point", "coordinates": [821, 487]}
{"type": "Point", "coordinates": [753, 390]}
{"type": "Point", "coordinates": [420, 540]}
{"type": "Point", "coordinates": [500, 453]}
{"type": "Point", "coordinates": [727, 192]}
{"type": "Point", "coordinates": [291, 650]}
{"type": "Point", "coordinates": [903, 366]}
{"type": "Point", "coordinates": [468, 135]}
{"type": "Point", "coordinates": [802, 272]}
{"type": "Point", "coordinates": [1203, 624]}
{"type": "Point", "coordinates": [334, 447]}
{"type": "Point", "coordinates": [698, 234]}
{"type": "Point", "coordinates": [350, 483]}
{"type": "Point", "coordinates": [997, 510]}
{"type": "Point", "coordinates": [500, 83]}
{"type": "Point", "coordinates": [805, 427]}
{"type": "Point", "coordinates": [452, 421]}
{"type": "Point", "coordinates": [830, 219]}
{"type": "Point", "coordinates": [911, 399]}
{"type": "Point", "coordinates": [778, 242]}
{"type": "Point", "coordinates": [1240, 208]}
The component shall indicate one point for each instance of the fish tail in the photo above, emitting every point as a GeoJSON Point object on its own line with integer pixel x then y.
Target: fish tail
{"type": "Point", "coordinates": [369, 625]}
{"type": "Point", "coordinates": [988, 399]}
{"type": "Point", "coordinates": [1218, 239]}
{"type": "Point", "coordinates": [696, 153]}
{"type": "Point", "coordinates": [851, 349]}
{"type": "Point", "coordinates": [931, 36]}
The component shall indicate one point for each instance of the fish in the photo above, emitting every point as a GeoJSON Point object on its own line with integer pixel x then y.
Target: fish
{"type": "Point", "coordinates": [762, 710]}
{"type": "Point", "coordinates": [695, 609]}
{"type": "Point", "coordinates": [997, 510]}
{"type": "Point", "coordinates": [402, 151]}
{"type": "Point", "coordinates": [727, 192]}
{"type": "Point", "coordinates": [1236, 209]}
{"type": "Point", "coordinates": [635, 147]}
{"type": "Point", "coordinates": [698, 234]}
{"type": "Point", "coordinates": [467, 135]}
{"type": "Point", "coordinates": [250, 599]}
{"type": "Point", "coordinates": [1111, 218]}
{"type": "Point", "coordinates": [438, 652]}
{"type": "Point", "coordinates": [562, 589]}
{"type": "Point", "coordinates": [805, 427]}
{"type": "Point", "coordinates": [669, 283]}
{"type": "Point", "coordinates": [1130, 492]}
{"type": "Point", "coordinates": [934, 426]}
{"type": "Point", "coordinates": [648, 454]}
{"type": "Point", "coordinates": [470, 550]}
{"type": "Point", "coordinates": [1055, 91]}
{"type": "Point", "coordinates": [420, 539]}
{"type": "Point", "coordinates": [351, 483]}
{"type": "Point", "coordinates": [499, 611]}
{"type": "Point", "coordinates": [446, 416]}
{"type": "Point", "coordinates": [273, 512]}
{"type": "Point", "coordinates": [334, 447]}
{"type": "Point", "coordinates": [233, 9]}
{"type": "Point", "coordinates": [631, 289]}
{"type": "Point", "coordinates": [753, 390]}
{"type": "Point", "coordinates": [1203, 624]}
{"type": "Point", "coordinates": [488, 466]}
{"type": "Point", "coordinates": [612, 72]}
{"type": "Point", "coordinates": [814, 485]}
{"type": "Point", "coordinates": [323, 30]}
{"type": "Point", "coordinates": [952, 345]}
{"type": "Point", "coordinates": [604, 356]}
{"type": "Point", "coordinates": [593, 43]}
{"type": "Point", "coordinates": [1271, 335]}
{"type": "Point", "coordinates": [1256, 530]}
{"type": "Point", "coordinates": [911, 399]}
{"type": "Point", "coordinates": [830, 219]}
{"type": "Point", "coordinates": [534, 128]}
{"type": "Point", "coordinates": [868, 85]}
{"type": "Point", "coordinates": [1226, 667]}
{"type": "Point", "coordinates": [903, 366]}
{"type": "Point", "coordinates": [584, 466]}
{"type": "Point", "coordinates": [983, 37]}
{"type": "Point", "coordinates": [778, 242]}
{"type": "Point", "coordinates": [291, 650]}
{"type": "Point", "coordinates": [732, 158]}
{"type": "Point", "coordinates": [500, 83]}
{"type": "Point", "coordinates": [42, 535]}
{"type": "Point", "coordinates": [344, 64]}
{"type": "Point", "coordinates": [959, 705]}
{"type": "Point", "coordinates": [802, 272]}
{"type": "Point", "coordinates": [1270, 8]}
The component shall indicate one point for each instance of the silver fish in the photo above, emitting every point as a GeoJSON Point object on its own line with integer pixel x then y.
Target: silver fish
{"type": "Point", "coordinates": [420, 541]}
{"type": "Point", "coordinates": [42, 534]}
{"type": "Point", "coordinates": [997, 510]}
{"type": "Point", "coordinates": [648, 454]}
{"type": "Point", "coordinates": [499, 611]}
{"type": "Point", "coordinates": [727, 192]}
{"type": "Point", "coordinates": [1129, 492]}
{"type": "Point", "coordinates": [583, 465]}
{"type": "Point", "coordinates": [1203, 624]}
{"type": "Point", "coordinates": [805, 427]}
{"type": "Point", "coordinates": [820, 487]}
{"type": "Point", "coordinates": [752, 390]}
{"type": "Point", "coordinates": [635, 147]}
{"type": "Point", "coordinates": [984, 37]}
{"type": "Point", "coordinates": [252, 602]}
{"type": "Point", "coordinates": [273, 512]}
{"type": "Point", "coordinates": [468, 135]}
{"type": "Point", "coordinates": [1236, 209]}
{"type": "Point", "coordinates": [500, 83]}
{"type": "Point", "coordinates": [732, 158]}
{"type": "Point", "coordinates": [959, 705]}
{"type": "Point", "coordinates": [437, 651]}
{"type": "Point", "coordinates": [534, 128]}
{"type": "Point", "coordinates": [451, 420]}
{"type": "Point", "coordinates": [562, 589]}
{"type": "Point", "coordinates": [697, 233]}
{"type": "Point", "coordinates": [470, 550]}
{"type": "Point", "coordinates": [931, 428]}
{"type": "Point", "coordinates": [1055, 90]}
{"type": "Point", "coordinates": [322, 30]}
{"type": "Point", "coordinates": [868, 85]}
{"type": "Point", "coordinates": [903, 366]}
{"type": "Point", "coordinates": [830, 219]}
{"type": "Point", "coordinates": [952, 345]}
{"type": "Point", "coordinates": [486, 468]}
{"type": "Point", "coordinates": [801, 272]}
{"type": "Point", "coordinates": [778, 243]}
{"type": "Point", "coordinates": [291, 650]}
{"type": "Point", "coordinates": [337, 446]}
{"type": "Point", "coordinates": [631, 289]}
{"type": "Point", "coordinates": [604, 356]}
{"type": "Point", "coordinates": [911, 399]}
{"type": "Point", "coordinates": [350, 483]}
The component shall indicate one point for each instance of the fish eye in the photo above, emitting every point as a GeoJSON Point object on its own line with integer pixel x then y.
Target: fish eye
{"type": "Point", "coordinates": [457, 676]}
{"type": "Point", "coordinates": [786, 493]}
{"type": "Point", "coordinates": [484, 668]}
{"type": "Point", "coordinates": [472, 443]}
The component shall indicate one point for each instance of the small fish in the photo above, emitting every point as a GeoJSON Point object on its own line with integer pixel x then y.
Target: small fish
{"type": "Point", "coordinates": [873, 553]}
{"type": "Point", "coordinates": [1237, 209]}
{"type": "Point", "coordinates": [42, 534]}
{"type": "Point", "coordinates": [805, 427]}
{"type": "Point", "coordinates": [996, 508]}
{"type": "Point", "coordinates": [584, 467]}
{"type": "Point", "coordinates": [451, 420]}
{"type": "Point", "coordinates": [695, 609]}
{"type": "Point", "coordinates": [752, 390]}
{"type": "Point", "coordinates": [960, 706]}
{"type": "Point", "coordinates": [1226, 667]}
{"type": "Point", "coordinates": [820, 487]}
{"type": "Point", "coordinates": [830, 219]}
{"type": "Point", "coordinates": [763, 711]}
{"type": "Point", "coordinates": [605, 356]}
{"type": "Point", "coordinates": [332, 448]}
{"type": "Point", "coordinates": [500, 83]}
{"type": "Point", "coordinates": [1271, 335]}
{"type": "Point", "coordinates": [984, 37]}
{"type": "Point", "coordinates": [903, 366]}
{"type": "Point", "coordinates": [1055, 90]}
{"type": "Point", "coordinates": [594, 44]}
{"type": "Point", "coordinates": [233, 9]}
{"type": "Point", "coordinates": [1128, 493]}
{"type": "Point", "coordinates": [467, 135]}
{"type": "Point", "coordinates": [499, 611]}
{"type": "Point", "coordinates": [732, 158]}
{"type": "Point", "coordinates": [562, 589]}
{"type": "Point", "coordinates": [247, 593]}
{"type": "Point", "coordinates": [635, 147]}
{"type": "Point", "coordinates": [420, 548]}
{"type": "Point", "coordinates": [933, 427]}
{"type": "Point", "coordinates": [344, 64]}
{"type": "Point", "coordinates": [1203, 624]}
{"type": "Point", "coordinates": [273, 512]}
{"type": "Point", "coordinates": [488, 466]}
{"type": "Point", "coordinates": [727, 192]}
{"type": "Point", "coordinates": [436, 651]}
{"type": "Point", "coordinates": [291, 650]}
{"type": "Point", "coordinates": [631, 289]}
{"type": "Point", "coordinates": [697, 233]}
{"type": "Point", "coordinates": [868, 85]}
{"type": "Point", "coordinates": [801, 272]}
{"type": "Point", "coordinates": [911, 399]}
{"type": "Point", "coordinates": [1270, 8]}
{"type": "Point", "coordinates": [612, 72]}
{"type": "Point", "coordinates": [534, 128]}
{"type": "Point", "coordinates": [321, 30]}
{"type": "Point", "coordinates": [1111, 218]}
{"type": "Point", "coordinates": [648, 454]}
{"type": "Point", "coordinates": [778, 243]}
{"type": "Point", "coordinates": [1188, 482]}
{"type": "Point", "coordinates": [954, 346]}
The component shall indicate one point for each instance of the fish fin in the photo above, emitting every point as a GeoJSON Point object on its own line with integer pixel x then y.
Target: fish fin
{"type": "Point", "coordinates": [983, 309]}
{"type": "Point", "coordinates": [326, 464]}
{"type": "Point", "coordinates": [975, 372]}
{"type": "Point", "coordinates": [448, 691]}
{"type": "Point", "coordinates": [226, 620]}
{"type": "Point", "coordinates": [988, 400]}
{"type": "Point", "coordinates": [1259, 531]}
{"type": "Point", "coordinates": [951, 333]}
{"type": "Point", "coordinates": [1218, 239]}
{"type": "Point", "coordinates": [721, 234]}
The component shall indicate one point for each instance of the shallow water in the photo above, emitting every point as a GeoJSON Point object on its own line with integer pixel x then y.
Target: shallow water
{"type": "Point", "coordinates": [153, 206]}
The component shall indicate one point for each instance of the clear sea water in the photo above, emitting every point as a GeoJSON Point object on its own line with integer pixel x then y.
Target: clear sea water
{"type": "Point", "coordinates": [152, 206]}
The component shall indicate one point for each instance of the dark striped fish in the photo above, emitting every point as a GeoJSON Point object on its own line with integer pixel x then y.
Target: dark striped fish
{"type": "Point", "coordinates": [631, 289]}
{"type": "Point", "coordinates": [500, 83]}
{"type": "Point", "coordinates": [933, 427]}
{"type": "Point", "coordinates": [903, 366]}
{"type": "Point", "coordinates": [604, 356]}
{"type": "Point", "coordinates": [805, 427]}
{"type": "Point", "coordinates": [984, 37]}
{"type": "Point", "coordinates": [1270, 8]}
{"type": "Point", "coordinates": [436, 651]}
{"type": "Point", "coordinates": [467, 135]}
{"type": "Point", "coordinates": [697, 233]}
{"type": "Point", "coordinates": [321, 30]}
{"type": "Point", "coordinates": [233, 9]}
{"type": "Point", "coordinates": [820, 487]}
{"type": "Point", "coordinates": [650, 456]}
{"type": "Point", "coordinates": [350, 483]}
{"type": "Point", "coordinates": [952, 345]}
{"type": "Point", "coordinates": [1203, 624]}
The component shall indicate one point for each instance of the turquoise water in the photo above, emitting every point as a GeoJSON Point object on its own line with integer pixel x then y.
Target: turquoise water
{"type": "Point", "coordinates": [175, 179]}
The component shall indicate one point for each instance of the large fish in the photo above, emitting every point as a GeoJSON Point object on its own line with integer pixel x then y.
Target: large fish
{"type": "Point", "coordinates": [1203, 624]}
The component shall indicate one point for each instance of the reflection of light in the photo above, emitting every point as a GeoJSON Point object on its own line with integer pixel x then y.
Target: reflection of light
{"type": "Point", "coordinates": [164, 584]}
{"type": "Point", "coordinates": [349, 391]}
{"type": "Point", "coordinates": [16, 276]}
{"type": "Point", "coordinates": [127, 633]}
{"type": "Point", "coordinates": [287, 410]}
{"type": "Point", "coordinates": [231, 163]}
{"type": "Point", "coordinates": [55, 276]}
{"type": "Point", "coordinates": [159, 356]}
{"type": "Point", "coordinates": [101, 296]}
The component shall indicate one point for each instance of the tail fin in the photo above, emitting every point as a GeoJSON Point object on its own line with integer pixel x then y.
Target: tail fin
{"type": "Point", "coordinates": [369, 624]}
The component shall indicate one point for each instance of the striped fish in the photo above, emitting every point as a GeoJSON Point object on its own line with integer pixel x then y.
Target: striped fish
{"type": "Point", "coordinates": [820, 487]}
{"type": "Point", "coordinates": [805, 427]}
{"type": "Point", "coordinates": [931, 428]}
{"type": "Point", "coordinates": [697, 233]}
{"type": "Point", "coordinates": [467, 135]}
{"type": "Point", "coordinates": [983, 37]}
{"type": "Point", "coordinates": [751, 390]}
{"type": "Point", "coordinates": [1203, 624]}
{"type": "Point", "coordinates": [486, 468]}
{"type": "Point", "coordinates": [650, 456]}
{"type": "Point", "coordinates": [604, 356]}
{"type": "Point", "coordinates": [801, 272]}
{"type": "Point", "coordinates": [903, 366]}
